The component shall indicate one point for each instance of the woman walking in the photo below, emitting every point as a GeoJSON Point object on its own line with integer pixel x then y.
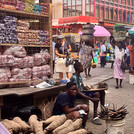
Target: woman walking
{"type": "Point", "coordinates": [119, 74]}
{"type": "Point", "coordinates": [87, 57]}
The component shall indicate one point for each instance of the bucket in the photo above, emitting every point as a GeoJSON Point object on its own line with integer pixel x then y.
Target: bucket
{"type": "Point", "coordinates": [115, 127]}
{"type": "Point", "coordinates": [131, 79]}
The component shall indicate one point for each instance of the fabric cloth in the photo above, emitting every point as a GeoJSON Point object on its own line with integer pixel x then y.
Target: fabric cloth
{"type": "Point", "coordinates": [87, 56]}
{"type": "Point", "coordinates": [53, 50]}
{"type": "Point", "coordinates": [118, 73]}
{"type": "Point", "coordinates": [62, 49]}
{"type": "Point", "coordinates": [131, 51]}
{"type": "Point", "coordinates": [62, 100]}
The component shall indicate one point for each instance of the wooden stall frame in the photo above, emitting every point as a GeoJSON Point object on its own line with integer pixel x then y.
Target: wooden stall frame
{"type": "Point", "coordinates": [47, 20]}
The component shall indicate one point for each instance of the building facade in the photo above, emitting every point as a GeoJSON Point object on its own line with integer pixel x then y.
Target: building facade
{"type": "Point", "coordinates": [116, 11]}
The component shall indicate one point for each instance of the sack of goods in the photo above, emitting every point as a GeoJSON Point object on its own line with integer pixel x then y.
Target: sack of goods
{"type": "Point", "coordinates": [119, 32]}
{"type": "Point", "coordinates": [88, 30]}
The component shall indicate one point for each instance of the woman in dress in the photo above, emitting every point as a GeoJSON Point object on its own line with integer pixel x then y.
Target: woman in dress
{"type": "Point", "coordinates": [119, 74]}
{"type": "Point", "coordinates": [87, 57]}
{"type": "Point", "coordinates": [131, 51]}
{"type": "Point", "coordinates": [61, 49]}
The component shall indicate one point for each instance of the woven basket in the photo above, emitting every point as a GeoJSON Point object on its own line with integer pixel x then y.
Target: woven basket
{"type": "Point", "coordinates": [87, 31]}
{"type": "Point", "coordinates": [86, 37]}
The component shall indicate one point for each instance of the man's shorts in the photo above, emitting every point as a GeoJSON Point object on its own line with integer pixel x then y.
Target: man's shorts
{"type": "Point", "coordinates": [87, 93]}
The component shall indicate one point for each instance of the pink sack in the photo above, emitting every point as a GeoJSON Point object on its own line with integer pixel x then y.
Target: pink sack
{"type": "Point", "coordinates": [21, 73]}
{"type": "Point", "coordinates": [5, 74]}
{"type": "Point", "coordinates": [28, 62]}
{"type": "Point", "coordinates": [16, 51]}
{"type": "Point", "coordinates": [6, 61]}
{"type": "Point", "coordinates": [19, 80]}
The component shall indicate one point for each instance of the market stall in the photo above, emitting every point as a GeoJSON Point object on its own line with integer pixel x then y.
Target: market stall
{"type": "Point", "coordinates": [25, 52]}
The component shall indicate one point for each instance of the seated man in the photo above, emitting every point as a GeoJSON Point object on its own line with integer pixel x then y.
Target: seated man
{"type": "Point", "coordinates": [65, 104]}
{"type": "Point", "coordinates": [95, 97]}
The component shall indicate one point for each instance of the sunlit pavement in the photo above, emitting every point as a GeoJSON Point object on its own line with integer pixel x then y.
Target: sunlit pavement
{"type": "Point", "coordinates": [120, 96]}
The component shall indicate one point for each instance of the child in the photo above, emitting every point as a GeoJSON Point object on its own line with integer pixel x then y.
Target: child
{"type": "Point", "coordinates": [95, 97]}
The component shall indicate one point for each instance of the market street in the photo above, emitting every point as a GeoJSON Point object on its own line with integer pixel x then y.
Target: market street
{"type": "Point", "coordinates": [113, 96]}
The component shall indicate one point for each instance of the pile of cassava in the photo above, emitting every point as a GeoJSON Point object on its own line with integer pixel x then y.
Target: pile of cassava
{"type": "Point", "coordinates": [54, 125]}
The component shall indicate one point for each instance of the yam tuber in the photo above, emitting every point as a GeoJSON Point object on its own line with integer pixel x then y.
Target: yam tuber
{"type": "Point", "coordinates": [72, 127]}
{"type": "Point", "coordinates": [51, 119]}
{"type": "Point", "coordinates": [24, 127]}
{"type": "Point", "coordinates": [80, 131]}
{"type": "Point", "coordinates": [15, 126]}
{"type": "Point", "coordinates": [66, 124]}
{"type": "Point", "coordinates": [7, 126]}
{"type": "Point", "coordinates": [31, 119]}
{"type": "Point", "coordinates": [36, 125]}
{"type": "Point", "coordinates": [56, 123]}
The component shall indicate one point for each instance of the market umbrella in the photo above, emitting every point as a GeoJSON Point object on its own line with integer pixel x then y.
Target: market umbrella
{"type": "Point", "coordinates": [101, 31]}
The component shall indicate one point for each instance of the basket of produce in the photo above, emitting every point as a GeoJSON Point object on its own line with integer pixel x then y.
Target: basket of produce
{"type": "Point", "coordinates": [119, 33]}
{"type": "Point", "coordinates": [86, 37]}
{"type": "Point", "coordinates": [88, 25]}
{"type": "Point", "coordinates": [88, 31]}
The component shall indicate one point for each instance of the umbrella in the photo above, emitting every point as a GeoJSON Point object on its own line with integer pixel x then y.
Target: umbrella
{"type": "Point", "coordinates": [101, 31]}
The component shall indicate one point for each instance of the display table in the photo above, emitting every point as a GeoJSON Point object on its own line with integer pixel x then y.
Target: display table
{"type": "Point", "coordinates": [12, 95]}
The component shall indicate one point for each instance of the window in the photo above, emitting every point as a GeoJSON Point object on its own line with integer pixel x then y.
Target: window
{"type": "Point", "coordinates": [115, 15]}
{"type": "Point", "coordinates": [102, 12]}
{"type": "Point", "coordinates": [111, 14]}
{"type": "Point", "coordinates": [73, 10]}
{"type": "Point", "coordinates": [124, 16]}
{"type": "Point", "coordinates": [78, 11]}
{"type": "Point", "coordinates": [120, 15]}
{"type": "Point", "coordinates": [97, 10]}
{"type": "Point", "coordinates": [87, 10]}
{"type": "Point", "coordinates": [107, 13]}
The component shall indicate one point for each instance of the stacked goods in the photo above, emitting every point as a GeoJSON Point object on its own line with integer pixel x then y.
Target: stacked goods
{"type": "Point", "coordinates": [26, 36]}
{"type": "Point", "coordinates": [88, 30]}
{"type": "Point", "coordinates": [10, 4]}
{"type": "Point", "coordinates": [55, 124]}
{"type": "Point", "coordinates": [8, 30]}
{"type": "Point", "coordinates": [26, 5]}
{"type": "Point", "coordinates": [20, 5]}
{"type": "Point", "coordinates": [119, 32]}
{"type": "Point", "coordinates": [29, 6]}
{"type": "Point", "coordinates": [20, 67]}
{"type": "Point", "coordinates": [45, 8]}
{"type": "Point", "coordinates": [5, 74]}
{"type": "Point", "coordinates": [43, 38]}
{"type": "Point", "coordinates": [6, 61]}
{"type": "Point", "coordinates": [37, 8]}
{"type": "Point", "coordinates": [16, 51]}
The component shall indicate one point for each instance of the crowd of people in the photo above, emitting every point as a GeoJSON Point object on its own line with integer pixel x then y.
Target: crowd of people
{"type": "Point", "coordinates": [120, 53]}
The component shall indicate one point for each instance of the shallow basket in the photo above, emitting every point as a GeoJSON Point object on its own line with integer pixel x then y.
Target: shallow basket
{"type": "Point", "coordinates": [86, 37]}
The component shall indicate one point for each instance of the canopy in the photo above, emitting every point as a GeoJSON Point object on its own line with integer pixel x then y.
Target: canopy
{"type": "Point", "coordinates": [101, 31]}
{"type": "Point", "coordinates": [77, 20]}
{"type": "Point", "coordinates": [60, 27]}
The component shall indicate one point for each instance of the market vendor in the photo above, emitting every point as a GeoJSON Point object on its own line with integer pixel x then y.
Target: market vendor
{"type": "Point", "coordinates": [65, 104]}
{"type": "Point", "coordinates": [95, 97]}
{"type": "Point", "coordinates": [61, 49]}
